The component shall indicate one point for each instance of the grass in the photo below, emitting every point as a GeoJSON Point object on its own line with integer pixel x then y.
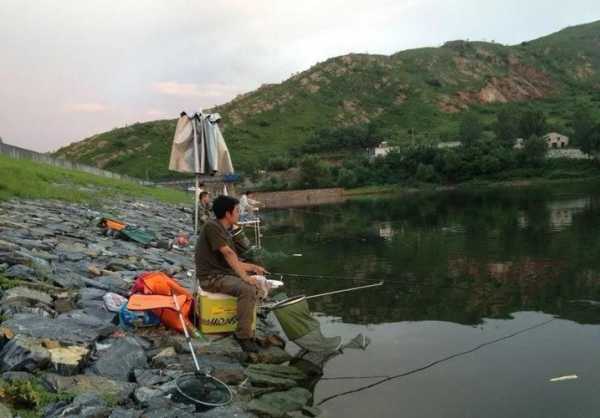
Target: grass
{"type": "Point", "coordinates": [28, 397]}
{"type": "Point", "coordinates": [32, 180]}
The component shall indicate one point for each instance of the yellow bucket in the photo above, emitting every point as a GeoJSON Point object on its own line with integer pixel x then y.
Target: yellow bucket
{"type": "Point", "coordinates": [218, 313]}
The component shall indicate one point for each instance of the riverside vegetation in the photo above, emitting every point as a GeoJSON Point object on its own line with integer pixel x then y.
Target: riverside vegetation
{"type": "Point", "coordinates": [413, 98]}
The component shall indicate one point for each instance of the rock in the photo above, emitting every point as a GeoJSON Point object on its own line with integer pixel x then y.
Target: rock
{"type": "Point", "coordinates": [271, 355]}
{"type": "Point", "coordinates": [87, 405]}
{"type": "Point", "coordinates": [118, 360]}
{"type": "Point", "coordinates": [67, 279]}
{"type": "Point", "coordinates": [153, 377]}
{"type": "Point", "coordinates": [162, 407]}
{"type": "Point", "coordinates": [311, 411]}
{"type": "Point", "coordinates": [23, 354]}
{"type": "Point", "coordinates": [223, 367]}
{"type": "Point", "coordinates": [278, 404]}
{"type": "Point", "coordinates": [227, 412]}
{"type": "Point", "coordinates": [119, 391]}
{"type": "Point", "coordinates": [27, 294]}
{"type": "Point", "coordinates": [5, 412]}
{"type": "Point", "coordinates": [277, 376]}
{"type": "Point", "coordinates": [19, 271]}
{"type": "Point", "coordinates": [125, 413]}
{"type": "Point", "coordinates": [72, 328]}
{"type": "Point", "coordinates": [68, 361]}
{"type": "Point", "coordinates": [144, 394]}
{"type": "Point", "coordinates": [64, 304]}
{"type": "Point", "coordinates": [17, 376]}
{"type": "Point", "coordinates": [167, 352]}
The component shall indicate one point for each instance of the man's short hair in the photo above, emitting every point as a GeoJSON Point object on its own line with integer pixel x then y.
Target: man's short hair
{"type": "Point", "coordinates": [223, 204]}
{"type": "Point", "coordinates": [202, 194]}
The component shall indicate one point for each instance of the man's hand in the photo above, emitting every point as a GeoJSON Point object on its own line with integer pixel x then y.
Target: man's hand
{"type": "Point", "coordinates": [251, 280]}
{"type": "Point", "coordinates": [256, 269]}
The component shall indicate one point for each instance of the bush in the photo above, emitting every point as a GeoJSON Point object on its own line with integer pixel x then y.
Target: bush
{"type": "Point", "coordinates": [278, 164]}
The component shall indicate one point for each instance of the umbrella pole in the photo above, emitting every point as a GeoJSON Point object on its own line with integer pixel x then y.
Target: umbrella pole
{"type": "Point", "coordinates": [196, 196]}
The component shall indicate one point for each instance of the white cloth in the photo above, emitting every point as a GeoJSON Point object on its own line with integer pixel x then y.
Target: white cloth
{"type": "Point", "coordinates": [199, 147]}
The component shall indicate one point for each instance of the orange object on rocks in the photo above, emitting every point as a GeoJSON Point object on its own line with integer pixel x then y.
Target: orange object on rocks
{"type": "Point", "coordinates": [158, 283]}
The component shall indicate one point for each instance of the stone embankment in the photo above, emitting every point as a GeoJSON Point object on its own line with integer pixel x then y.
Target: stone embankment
{"type": "Point", "coordinates": [59, 342]}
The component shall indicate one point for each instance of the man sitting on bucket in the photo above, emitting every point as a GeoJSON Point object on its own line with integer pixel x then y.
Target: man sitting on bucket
{"type": "Point", "coordinates": [219, 270]}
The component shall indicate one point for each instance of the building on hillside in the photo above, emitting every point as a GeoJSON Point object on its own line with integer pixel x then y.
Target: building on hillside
{"type": "Point", "coordinates": [556, 140]}
{"type": "Point", "coordinates": [381, 150]}
{"type": "Point", "coordinates": [451, 144]}
{"type": "Point", "coordinates": [519, 143]}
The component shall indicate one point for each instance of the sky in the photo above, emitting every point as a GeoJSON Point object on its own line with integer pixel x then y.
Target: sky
{"type": "Point", "coordinates": [72, 69]}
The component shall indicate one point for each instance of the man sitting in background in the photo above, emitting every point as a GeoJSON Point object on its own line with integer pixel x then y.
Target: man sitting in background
{"type": "Point", "coordinates": [219, 270]}
{"type": "Point", "coordinates": [203, 209]}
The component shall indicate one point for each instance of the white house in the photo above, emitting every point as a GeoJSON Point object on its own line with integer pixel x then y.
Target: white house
{"type": "Point", "coordinates": [519, 143]}
{"type": "Point", "coordinates": [381, 150]}
{"type": "Point", "coordinates": [556, 140]}
{"type": "Point", "coordinates": [451, 144]}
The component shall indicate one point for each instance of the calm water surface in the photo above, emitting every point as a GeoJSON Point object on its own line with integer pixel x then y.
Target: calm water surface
{"type": "Point", "coordinates": [461, 269]}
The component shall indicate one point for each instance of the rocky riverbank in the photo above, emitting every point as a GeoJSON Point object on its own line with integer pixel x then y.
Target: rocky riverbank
{"type": "Point", "coordinates": [61, 352]}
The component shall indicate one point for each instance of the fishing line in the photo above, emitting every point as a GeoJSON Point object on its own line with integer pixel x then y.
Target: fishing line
{"type": "Point", "coordinates": [427, 366]}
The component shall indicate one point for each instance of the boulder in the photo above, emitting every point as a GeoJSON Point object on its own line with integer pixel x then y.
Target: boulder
{"type": "Point", "coordinates": [72, 328]}
{"type": "Point", "coordinates": [19, 271]}
{"type": "Point", "coordinates": [87, 405]}
{"type": "Point", "coordinates": [21, 293]}
{"type": "Point", "coordinates": [125, 413]}
{"type": "Point", "coordinates": [68, 361]}
{"type": "Point", "coordinates": [118, 359]}
{"type": "Point", "coordinates": [119, 391]}
{"type": "Point", "coordinates": [23, 354]}
{"type": "Point", "coordinates": [17, 376]}
{"type": "Point", "coordinates": [278, 404]}
{"type": "Point", "coordinates": [276, 376]}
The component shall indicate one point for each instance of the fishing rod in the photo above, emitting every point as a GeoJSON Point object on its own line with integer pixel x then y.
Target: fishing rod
{"type": "Point", "coordinates": [318, 295]}
{"type": "Point", "coordinates": [427, 366]}
{"type": "Point", "coordinates": [345, 290]}
{"type": "Point", "coordinates": [320, 276]}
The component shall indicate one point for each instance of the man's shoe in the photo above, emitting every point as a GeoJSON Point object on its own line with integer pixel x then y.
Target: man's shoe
{"type": "Point", "coordinates": [248, 345]}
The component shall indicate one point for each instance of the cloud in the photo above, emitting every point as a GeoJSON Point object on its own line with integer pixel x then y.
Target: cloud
{"type": "Point", "coordinates": [85, 108]}
{"type": "Point", "coordinates": [173, 88]}
{"type": "Point", "coordinates": [155, 113]}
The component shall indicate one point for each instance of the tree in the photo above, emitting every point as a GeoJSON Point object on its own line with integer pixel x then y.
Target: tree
{"type": "Point", "coordinates": [583, 125]}
{"type": "Point", "coordinates": [535, 150]}
{"type": "Point", "coordinates": [506, 127]}
{"type": "Point", "coordinates": [470, 128]}
{"type": "Point", "coordinates": [590, 144]}
{"type": "Point", "coordinates": [533, 122]}
{"type": "Point", "coordinates": [313, 172]}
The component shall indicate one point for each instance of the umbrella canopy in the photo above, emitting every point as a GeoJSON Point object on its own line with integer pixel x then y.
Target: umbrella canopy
{"type": "Point", "coordinates": [199, 147]}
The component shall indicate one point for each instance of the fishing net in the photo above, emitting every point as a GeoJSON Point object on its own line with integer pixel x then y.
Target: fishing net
{"type": "Point", "coordinates": [300, 327]}
{"type": "Point", "coordinates": [202, 389]}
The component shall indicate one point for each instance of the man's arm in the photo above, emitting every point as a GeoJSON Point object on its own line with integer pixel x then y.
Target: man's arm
{"type": "Point", "coordinates": [249, 267]}
{"type": "Point", "coordinates": [235, 263]}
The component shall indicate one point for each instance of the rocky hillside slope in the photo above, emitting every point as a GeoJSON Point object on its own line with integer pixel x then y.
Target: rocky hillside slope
{"type": "Point", "coordinates": [411, 95]}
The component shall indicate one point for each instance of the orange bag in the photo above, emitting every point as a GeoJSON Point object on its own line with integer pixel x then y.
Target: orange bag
{"type": "Point", "coordinates": [158, 283]}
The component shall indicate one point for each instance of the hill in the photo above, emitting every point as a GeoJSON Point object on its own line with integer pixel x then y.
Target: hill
{"type": "Point", "coordinates": [413, 95]}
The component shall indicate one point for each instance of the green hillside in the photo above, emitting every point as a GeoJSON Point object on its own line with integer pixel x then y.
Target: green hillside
{"type": "Point", "coordinates": [415, 95]}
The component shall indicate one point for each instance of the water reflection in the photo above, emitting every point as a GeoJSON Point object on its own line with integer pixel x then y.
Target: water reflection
{"type": "Point", "coordinates": [457, 257]}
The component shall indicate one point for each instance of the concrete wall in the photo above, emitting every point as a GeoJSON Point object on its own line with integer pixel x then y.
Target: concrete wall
{"type": "Point", "coordinates": [18, 153]}
{"type": "Point", "coordinates": [293, 198]}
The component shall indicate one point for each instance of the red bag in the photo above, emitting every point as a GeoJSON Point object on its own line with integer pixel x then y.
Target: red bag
{"type": "Point", "coordinates": [158, 283]}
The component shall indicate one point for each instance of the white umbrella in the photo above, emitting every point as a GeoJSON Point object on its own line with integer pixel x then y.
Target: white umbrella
{"type": "Point", "coordinates": [199, 148]}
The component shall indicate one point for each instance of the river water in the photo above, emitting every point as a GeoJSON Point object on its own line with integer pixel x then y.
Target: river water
{"type": "Point", "coordinates": [512, 274]}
